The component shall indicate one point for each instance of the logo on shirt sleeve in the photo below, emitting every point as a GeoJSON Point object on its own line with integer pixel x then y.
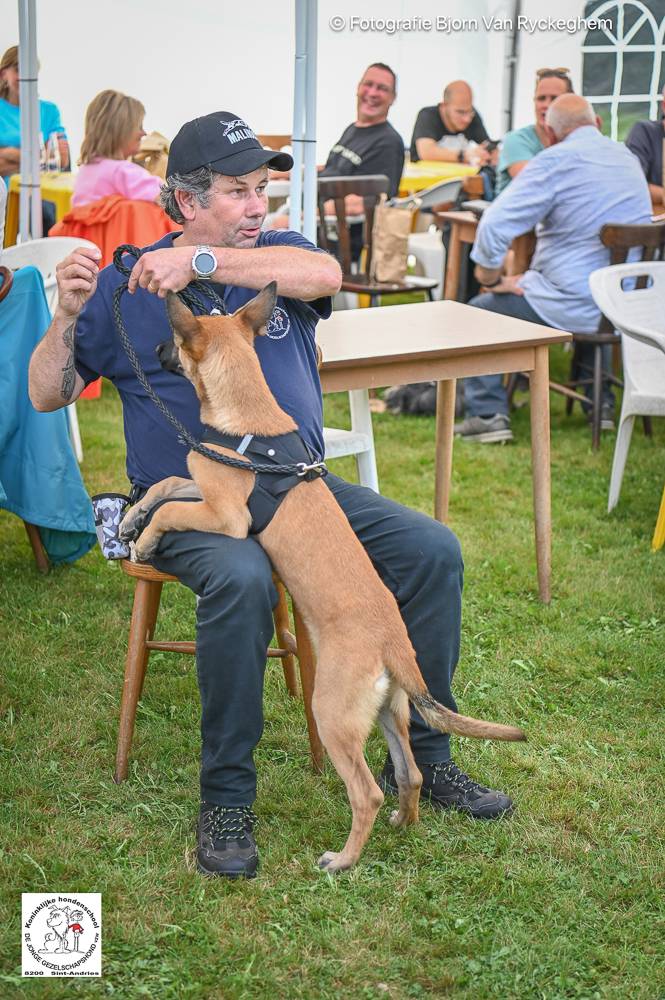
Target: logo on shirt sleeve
{"type": "Point", "coordinates": [279, 324]}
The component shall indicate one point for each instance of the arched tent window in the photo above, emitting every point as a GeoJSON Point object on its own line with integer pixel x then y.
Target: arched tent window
{"type": "Point", "coordinates": [623, 65]}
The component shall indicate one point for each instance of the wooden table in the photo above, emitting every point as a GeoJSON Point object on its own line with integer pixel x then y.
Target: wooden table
{"type": "Point", "coordinates": [463, 228]}
{"type": "Point", "coordinates": [424, 173]}
{"type": "Point", "coordinates": [55, 187]}
{"type": "Point", "coordinates": [369, 348]}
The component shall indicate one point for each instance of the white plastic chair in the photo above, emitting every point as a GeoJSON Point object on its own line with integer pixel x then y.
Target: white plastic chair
{"type": "Point", "coordinates": [45, 255]}
{"type": "Point", "coordinates": [638, 314]}
{"type": "Point", "coordinates": [359, 441]}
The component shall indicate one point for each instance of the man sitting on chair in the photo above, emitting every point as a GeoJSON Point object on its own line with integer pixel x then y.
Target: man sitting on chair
{"type": "Point", "coordinates": [215, 188]}
{"type": "Point", "coordinates": [570, 190]}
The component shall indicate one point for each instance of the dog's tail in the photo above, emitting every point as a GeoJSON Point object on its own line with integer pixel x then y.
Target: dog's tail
{"type": "Point", "coordinates": [406, 672]}
{"type": "Point", "coordinates": [439, 717]}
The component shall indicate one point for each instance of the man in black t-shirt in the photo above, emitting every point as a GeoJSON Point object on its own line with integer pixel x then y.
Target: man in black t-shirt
{"type": "Point", "coordinates": [451, 131]}
{"type": "Point", "coordinates": [370, 145]}
{"type": "Point", "coordinates": [646, 140]}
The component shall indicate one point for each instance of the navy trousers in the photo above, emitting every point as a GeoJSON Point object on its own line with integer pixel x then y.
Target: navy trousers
{"type": "Point", "coordinates": [485, 395]}
{"type": "Point", "coordinates": [417, 558]}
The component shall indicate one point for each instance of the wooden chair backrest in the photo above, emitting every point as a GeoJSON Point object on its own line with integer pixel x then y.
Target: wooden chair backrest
{"type": "Point", "coordinates": [275, 142]}
{"type": "Point", "coordinates": [473, 186]}
{"type": "Point", "coordinates": [369, 188]}
{"type": "Point", "coordinates": [620, 238]}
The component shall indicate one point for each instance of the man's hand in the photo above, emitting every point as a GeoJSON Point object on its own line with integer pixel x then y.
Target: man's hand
{"type": "Point", "coordinates": [509, 285]}
{"type": "Point", "coordinates": [163, 271]}
{"type": "Point", "coordinates": [476, 156]}
{"type": "Point", "coordinates": [76, 276]}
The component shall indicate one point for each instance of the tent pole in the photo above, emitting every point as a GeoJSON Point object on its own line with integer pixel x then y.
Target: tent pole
{"type": "Point", "coordinates": [30, 203]}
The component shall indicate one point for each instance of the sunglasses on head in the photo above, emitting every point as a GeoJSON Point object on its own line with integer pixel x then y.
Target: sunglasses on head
{"type": "Point", "coordinates": [561, 71]}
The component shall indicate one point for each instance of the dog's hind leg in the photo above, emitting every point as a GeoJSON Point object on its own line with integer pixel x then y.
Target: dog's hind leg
{"type": "Point", "coordinates": [344, 721]}
{"type": "Point", "coordinates": [394, 719]}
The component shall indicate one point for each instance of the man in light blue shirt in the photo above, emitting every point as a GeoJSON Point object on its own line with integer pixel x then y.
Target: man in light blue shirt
{"type": "Point", "coordinates": [568, 192]}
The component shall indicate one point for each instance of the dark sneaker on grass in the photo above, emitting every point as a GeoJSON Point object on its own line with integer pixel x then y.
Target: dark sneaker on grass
{"type": "Point", "coordinates": [446, 787]}
{"type": "Point", "coordinates": [226, 844]}
{"type": "Point", "coordinates": [485, 430]}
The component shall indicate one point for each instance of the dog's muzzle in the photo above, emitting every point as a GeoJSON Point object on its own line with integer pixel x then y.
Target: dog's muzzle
{"type": "Point", "coordinates": [169, 359]}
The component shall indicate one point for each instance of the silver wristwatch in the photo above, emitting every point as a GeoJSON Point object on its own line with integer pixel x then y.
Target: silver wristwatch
{"type": "Point", "coordinates": [204, 263]}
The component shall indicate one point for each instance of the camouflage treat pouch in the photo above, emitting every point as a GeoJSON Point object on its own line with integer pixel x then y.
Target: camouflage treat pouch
{"type": "Point", "coordinates": [108, 509]}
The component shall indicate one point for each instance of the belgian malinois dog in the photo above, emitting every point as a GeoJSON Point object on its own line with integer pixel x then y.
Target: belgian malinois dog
{"type": "Point", "coordinates": [365, 664]}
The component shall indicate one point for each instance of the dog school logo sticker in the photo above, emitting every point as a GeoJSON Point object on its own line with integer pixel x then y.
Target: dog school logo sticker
{"type": "Point", "coordinates": [61, 935]}
{"type": "Point", "coordinates": [279, 324]}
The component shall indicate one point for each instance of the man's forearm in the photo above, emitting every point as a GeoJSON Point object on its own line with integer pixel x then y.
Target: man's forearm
{"type": "Point", "coordinates": [300, 274]}
{"type": "Point", "coordinates": [10, 159]}
{"type": "Point", "coordinates": [429, 149]}
{"type": "Point", "coordinates": [52, 379]}
{"type": "Point", "coordinates": [656, 192]}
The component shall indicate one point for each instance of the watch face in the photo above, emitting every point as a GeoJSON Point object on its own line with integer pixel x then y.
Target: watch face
{"type": "Point", "coordinates": [205, 262]}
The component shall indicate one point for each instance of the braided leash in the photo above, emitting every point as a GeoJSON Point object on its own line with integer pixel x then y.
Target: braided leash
{"type": "Point", "coordinates": [190, 297]}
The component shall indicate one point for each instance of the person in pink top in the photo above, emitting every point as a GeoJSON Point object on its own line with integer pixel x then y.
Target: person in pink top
{"type": "Point", "coordinates": [113, 132]}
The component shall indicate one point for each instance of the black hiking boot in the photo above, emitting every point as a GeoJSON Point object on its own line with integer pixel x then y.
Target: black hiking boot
{"type": "Point", "coordinates": [226, 844]}
{"type": "Point", "coordinates": [446, 787]}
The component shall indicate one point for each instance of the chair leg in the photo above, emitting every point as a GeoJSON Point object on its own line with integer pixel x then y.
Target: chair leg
{"type": "Point", "coordinates": [619, 461]}
{"type": "Point", "coordinates": [147, 596]}
{"type": "Point", "coordinates": [307, 675]}
{"type": "Point", "coordinates": [574, 369]}
{"type": "Point", "coordinates": [648, 429]}
{"type": "Point", "coordinates": [597, 396]}
{"type": "Point", "coordinates": [285, 639]}
{"type": "Point", "coordinates": [659, 532]}
{"type": "Point", "coordinates": [37, 547]}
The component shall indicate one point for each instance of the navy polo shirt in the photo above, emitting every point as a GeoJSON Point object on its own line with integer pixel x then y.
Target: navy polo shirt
{"type": "Point", "coordinates": [287, 356]}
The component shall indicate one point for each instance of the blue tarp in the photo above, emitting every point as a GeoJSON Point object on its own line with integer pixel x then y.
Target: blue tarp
{"type": "Point", "coordinates": [40, 479]}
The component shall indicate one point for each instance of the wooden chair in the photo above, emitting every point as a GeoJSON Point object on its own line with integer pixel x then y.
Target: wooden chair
{"type": "Point", "coordinates": [370, 189]}
{"type": "Point", "coordinates": [619, 239]}
{"type": "Point", "coordinates": [141, 643]}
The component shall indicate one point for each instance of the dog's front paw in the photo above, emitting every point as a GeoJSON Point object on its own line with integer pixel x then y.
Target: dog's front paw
{"type": "Point", "coordinates": [332, 861]}
{"type": "Point", "coordinates": [132, 523]}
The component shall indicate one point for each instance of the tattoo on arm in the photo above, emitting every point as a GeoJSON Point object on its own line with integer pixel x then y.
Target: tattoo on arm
{"type": "Point", "coordinates": [68, 372]}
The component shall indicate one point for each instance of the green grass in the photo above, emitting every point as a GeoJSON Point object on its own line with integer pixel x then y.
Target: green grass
{"type": "Point", "coordinates": [563, 900]}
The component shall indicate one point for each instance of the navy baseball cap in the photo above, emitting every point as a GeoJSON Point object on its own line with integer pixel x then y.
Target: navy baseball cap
{"type": "Point", "coordinates": [224, 142]}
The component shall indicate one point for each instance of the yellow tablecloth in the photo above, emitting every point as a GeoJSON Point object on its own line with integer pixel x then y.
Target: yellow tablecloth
{"type": "Point", "coordinates": [425, 173]}
{"type": "Point", "coordinates": [57, 188]}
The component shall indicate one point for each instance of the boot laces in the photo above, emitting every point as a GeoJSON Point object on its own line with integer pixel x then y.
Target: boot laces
{"type": "Point", "coordinates": [229, 823]}
{"type": "Point", "coordinates": [451, 775]}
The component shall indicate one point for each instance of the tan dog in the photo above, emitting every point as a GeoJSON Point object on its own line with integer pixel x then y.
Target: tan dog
{"type": "Point", "coordinates": [366, 666]}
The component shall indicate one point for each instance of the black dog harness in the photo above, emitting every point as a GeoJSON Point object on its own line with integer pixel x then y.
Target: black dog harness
{"type": "Point", "coordinates": [270, 488]}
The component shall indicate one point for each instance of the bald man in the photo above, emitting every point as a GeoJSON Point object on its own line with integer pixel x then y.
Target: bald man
{"type": "Point", "coordinates": [646, 141]}
{"type": "Point", "coordinates": [451, 131]}
{"type": "Point", "coordinates": [570, 190]}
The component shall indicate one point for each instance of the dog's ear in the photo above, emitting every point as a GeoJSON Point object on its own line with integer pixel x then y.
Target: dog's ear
{"type": "Point", "coordinates": [258, 311]}
{"type": "Point", "coordinates": [184, 323]}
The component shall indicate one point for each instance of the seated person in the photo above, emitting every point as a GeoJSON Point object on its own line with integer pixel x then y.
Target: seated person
{"type": "Point", "coordinates": [569, 191]}
{"type": "Point", "coordinates": [215, 190]}
{"type": "Point", "coordinates": [521, 144]}
{"type": "Point", "coordinates": [451, 131]}
{"type": "Point", "coordinates": [370, 145]}
{"type": "Point", "coordinates": [645, 140]}
{"type": "Point", "coordinates": [10, 118]}
{"type": "Point", "coordinates": [113, 133]}
{"type": "Point", "coordinates": [50, 124]}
